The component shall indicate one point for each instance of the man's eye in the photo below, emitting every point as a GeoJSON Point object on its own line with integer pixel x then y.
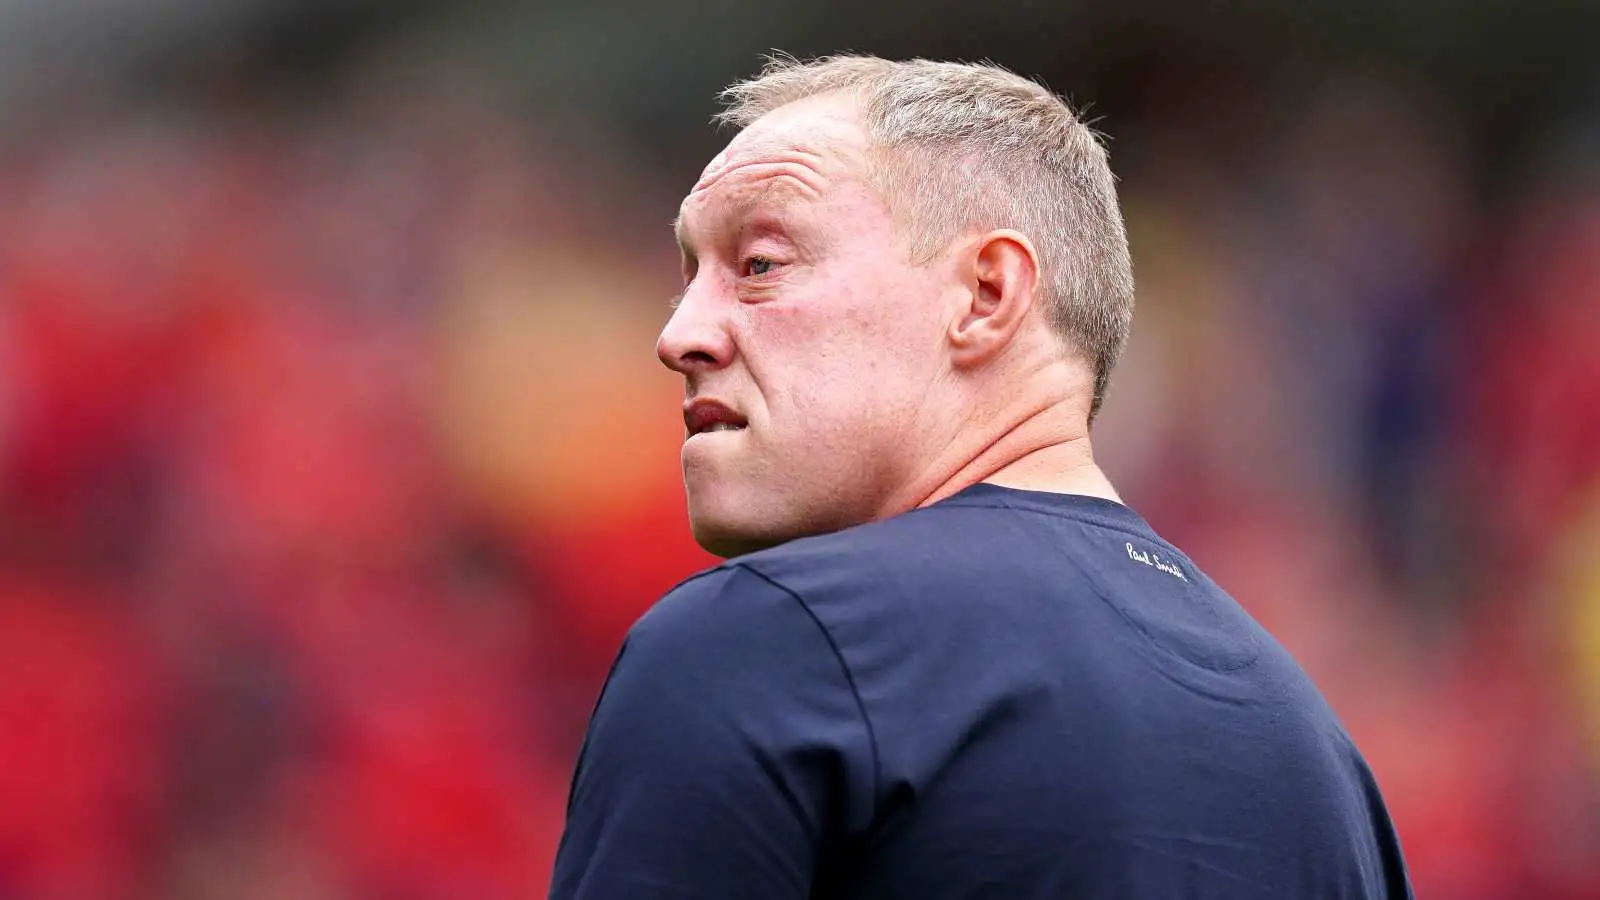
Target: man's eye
{"type": "Point", "coordinates": [757, 265]}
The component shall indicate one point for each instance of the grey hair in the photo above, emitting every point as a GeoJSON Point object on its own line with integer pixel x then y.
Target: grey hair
{"type": "Point", "coordinates": [961, 147]}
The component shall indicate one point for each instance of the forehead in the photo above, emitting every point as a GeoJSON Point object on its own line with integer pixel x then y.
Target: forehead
{"type": "Point", "coordinates": [827, 126]}
{"type": "Point", "coordinates": [807, 147]}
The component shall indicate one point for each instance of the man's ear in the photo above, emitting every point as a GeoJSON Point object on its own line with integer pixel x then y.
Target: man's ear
{"type": "Point", "coordinates": [1000, 274]}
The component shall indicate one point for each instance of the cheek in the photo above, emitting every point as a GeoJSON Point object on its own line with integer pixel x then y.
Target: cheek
{"type": "Point", "coordinates": [802, 362]}
{"type": "Point", "coordinates": [848, 362]}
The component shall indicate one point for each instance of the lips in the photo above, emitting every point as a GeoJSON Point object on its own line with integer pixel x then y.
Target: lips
{"type": "Point", "coordinates": [711, 416]}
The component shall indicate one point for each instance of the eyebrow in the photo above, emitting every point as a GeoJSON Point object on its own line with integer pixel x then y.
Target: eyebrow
{"type": "Point", "coordinates": [683, 239]}
{"type": "Point", "coordinates": [686, 247]}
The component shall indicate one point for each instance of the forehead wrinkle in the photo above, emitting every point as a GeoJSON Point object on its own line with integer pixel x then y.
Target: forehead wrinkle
{"type": "Point", "coordinates": [750, 190]}
{"type": "Point", "coordinates": [806, 155]}
{"type": "Point", "coordinates": [770, 148]}
{"type": "Point", "coordinates": [744, 176]}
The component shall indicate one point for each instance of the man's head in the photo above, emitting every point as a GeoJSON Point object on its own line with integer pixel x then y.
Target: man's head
{"type": "Point", "coordinates": [871, 268]}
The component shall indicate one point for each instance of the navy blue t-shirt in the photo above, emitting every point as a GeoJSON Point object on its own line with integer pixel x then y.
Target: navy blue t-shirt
{"type": "Point", "coordinates": [1008, 694]}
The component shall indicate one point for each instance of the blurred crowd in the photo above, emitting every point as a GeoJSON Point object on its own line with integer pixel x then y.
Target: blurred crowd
{"type": "Point", "coordinates": [335, 461]}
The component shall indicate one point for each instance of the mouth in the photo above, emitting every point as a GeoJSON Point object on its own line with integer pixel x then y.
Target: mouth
{"type": "Point", "coordinates": [711, 417]}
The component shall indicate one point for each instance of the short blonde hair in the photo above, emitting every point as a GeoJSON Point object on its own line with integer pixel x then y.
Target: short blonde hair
{"type": "Point", "coordinates": [963, 147]}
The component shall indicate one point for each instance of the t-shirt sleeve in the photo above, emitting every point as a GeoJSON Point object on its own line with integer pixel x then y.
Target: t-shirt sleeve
{"type": "Point", "coordinates": [727, 752]}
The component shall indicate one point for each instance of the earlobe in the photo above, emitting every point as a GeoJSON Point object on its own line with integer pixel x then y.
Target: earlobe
{"type": "Point", "coordinates": [1000, 286]}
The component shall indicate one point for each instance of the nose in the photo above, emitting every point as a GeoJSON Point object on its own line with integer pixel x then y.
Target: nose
{"type": "Point", "coordinates": [696, 338]}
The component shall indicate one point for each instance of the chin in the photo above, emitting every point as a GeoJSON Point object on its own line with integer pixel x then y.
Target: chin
{"type": "Point", "coordinates": [727, 541]}
{"type": "Point", "coordinates": [729, 523]}
{"type": "Point", "coordinates": [725, 525]}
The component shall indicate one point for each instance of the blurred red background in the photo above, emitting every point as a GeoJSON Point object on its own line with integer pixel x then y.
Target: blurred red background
{"type": "Point", "coordinates": [335, 460]}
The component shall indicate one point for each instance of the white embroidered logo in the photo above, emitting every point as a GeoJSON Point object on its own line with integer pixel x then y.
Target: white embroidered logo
{"type": "Point", "coordinates": [1155, 562]}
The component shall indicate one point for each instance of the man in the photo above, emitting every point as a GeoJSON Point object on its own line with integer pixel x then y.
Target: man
{"type": "Point", "coordinates": [942, 660]}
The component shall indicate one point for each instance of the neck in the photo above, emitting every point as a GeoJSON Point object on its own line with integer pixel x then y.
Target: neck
{"type": "Point", "coordinates": [1065, 468]}
{"type": "Point", "coordinates": [1035, 455]}
{"type": "Point", "coordinates": [1046, 450]}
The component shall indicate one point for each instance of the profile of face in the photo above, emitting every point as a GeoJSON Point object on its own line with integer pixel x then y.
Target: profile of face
{"type": "Point", "coordinates": [809, 342]}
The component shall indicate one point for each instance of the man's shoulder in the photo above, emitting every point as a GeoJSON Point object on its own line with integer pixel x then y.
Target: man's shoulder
{"type": "Point", "coordinates": [720, 600]}
{"type": "Point", "coordinates": [793, 574]}
{"type": "Point", "coordinates": [906, 553]}
{"type": "Point", "coordinates": [730, 642]}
